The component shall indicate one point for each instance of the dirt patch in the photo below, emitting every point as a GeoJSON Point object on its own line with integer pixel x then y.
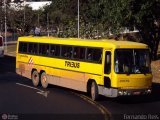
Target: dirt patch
{"type": "Point", "coordinates": [155, 66]}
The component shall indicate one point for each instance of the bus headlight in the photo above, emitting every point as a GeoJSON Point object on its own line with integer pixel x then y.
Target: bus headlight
{"type": "Point", "coordinates": [120, 93]}
{"type": "Point", "coordinates": [123, 92]}
{"type": "Point", "coordinates": [148, 91]}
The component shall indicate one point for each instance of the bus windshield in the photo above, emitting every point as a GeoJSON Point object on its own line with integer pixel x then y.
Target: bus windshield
{"type": "Point", "coordinates": [132, 61]}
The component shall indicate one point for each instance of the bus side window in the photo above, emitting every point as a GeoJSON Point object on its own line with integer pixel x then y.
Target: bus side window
{"type": "Point", "coordinates": [44, 49]}
{"type": "Point", "coordinates": [57, 50]}
{"type": "Point", "coordinates": [79, 53]}
{"type": "Point", "coordinates": [40, 49]}
{"type": "Point", "coordinates": [76, 52]}
{"type": "Point", "coordinates": [52, 50]}
{"type": "Point", "coordinates": [107, 67]}
{"type": "Point", "coordinates": [63, 51]}
{"type": "Point", "coordinates": [94, 54]}
{"type": "Point", "coordinates": [90, 54]}
{"type": "Point", "coordinates": [35, 48]}
{"type": "Point", "coordinates": [30, 48]}
{"type": "Point", "coordinates": [22, 47]}
{"type": "Point", "coordinates": [25, 46]}
{"type": "Point", "coordinates": [66, 51]}
{"type": "Point", "coordinates": [97, 55]}
{"type": "Point", "coordinates": [70, 51]}
{"type": "Point", "coordinates": [82, 53]}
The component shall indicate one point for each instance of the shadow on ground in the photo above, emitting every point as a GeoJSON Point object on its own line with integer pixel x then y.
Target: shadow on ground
{"type": "Point", "coordinates": [7, 64]}
{"type": "Point", "coordinates": [153, 97]}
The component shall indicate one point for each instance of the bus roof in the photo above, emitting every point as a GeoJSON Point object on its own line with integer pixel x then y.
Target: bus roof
{"type": "Point", "coordinates": [105, 43]}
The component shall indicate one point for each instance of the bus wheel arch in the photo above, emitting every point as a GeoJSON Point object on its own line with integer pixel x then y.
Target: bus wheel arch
{"type": "Point", "coordinates": [92, 89]}
{"type": "Point", "coordinates": [43, 79]}
{"type": "Point", "coordinates": [33, 70]}
{"type": "Point", "coordinates": [41, 71]}
{"type": "Point", "coordinates": [35, 77]}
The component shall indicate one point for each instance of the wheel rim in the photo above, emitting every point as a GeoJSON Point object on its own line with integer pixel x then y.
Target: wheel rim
{"type": "Point", "coordinates": [44, 79]}
{"type": "Point", "coordinates": [92, 91]}
{"type": "Point", "coordinates": [35, 77]}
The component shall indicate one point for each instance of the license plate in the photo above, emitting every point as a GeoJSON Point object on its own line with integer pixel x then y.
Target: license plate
{"type": "Point", "coordinates": [136, 93]}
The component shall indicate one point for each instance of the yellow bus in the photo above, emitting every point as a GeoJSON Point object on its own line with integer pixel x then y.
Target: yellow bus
{"type": "Point", "coordinates": [99, 67]}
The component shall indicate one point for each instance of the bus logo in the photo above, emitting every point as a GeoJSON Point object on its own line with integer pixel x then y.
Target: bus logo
{"type": "Point", "coordinates": [72, 64]}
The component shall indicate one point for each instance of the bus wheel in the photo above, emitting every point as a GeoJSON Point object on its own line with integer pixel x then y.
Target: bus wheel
{"type": "Point", "coordinates": [44, 80]}
{"type": "Point", "coordinates": [35, 78]}
{"type": "Point", "coordinates": [94, 91]}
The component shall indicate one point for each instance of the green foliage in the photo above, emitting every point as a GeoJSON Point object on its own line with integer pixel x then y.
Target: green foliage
{"type": "Point", "coordinates": [97, 18]}
{"type": "Point", "coordinates": [142, 14]}
{"type": "Point", "coordinates": [21, 20]}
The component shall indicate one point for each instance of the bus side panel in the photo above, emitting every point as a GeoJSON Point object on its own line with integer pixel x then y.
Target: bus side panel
{"type": "Point", "coordinates": [97, 78]}
{"type": "Point", "coordinates": [60, 74]}
{"type": "Point", "coordinates": [73, 80]}
{"type": "Point", "coordinates": [68, 79]}
{"type": "Point", "coordinates": [65, 75]}
{"type": "Point", "coordinates": [23, 68]}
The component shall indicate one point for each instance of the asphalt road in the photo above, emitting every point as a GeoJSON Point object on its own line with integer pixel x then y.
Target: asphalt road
{"type": "Point", "coordinates": [134, 107]}
{"type": "Point", "coordinates": [20, 100]}
{"type": "Point", "coordinates": [16, 98]}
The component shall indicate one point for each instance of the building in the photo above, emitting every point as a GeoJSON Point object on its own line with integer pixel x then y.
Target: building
{"type": "Point", "coordinates": [35, 4]}
{"type": "Point", "coordinates": [38, 5]}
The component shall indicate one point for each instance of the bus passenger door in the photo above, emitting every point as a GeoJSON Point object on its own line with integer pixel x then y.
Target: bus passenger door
{"type": "Point", "coordinates": [107, 69]}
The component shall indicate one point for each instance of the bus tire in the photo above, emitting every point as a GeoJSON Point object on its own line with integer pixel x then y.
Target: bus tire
{"type": "Point", "coordinates": [44, 80]}
{"type": "Point", "coordinates": [35, 78]}
{"type": "Point", "coordinates": [94, 91]}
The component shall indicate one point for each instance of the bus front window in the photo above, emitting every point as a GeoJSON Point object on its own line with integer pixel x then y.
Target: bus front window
{"type": "Point", "coordinates": [132, 61]}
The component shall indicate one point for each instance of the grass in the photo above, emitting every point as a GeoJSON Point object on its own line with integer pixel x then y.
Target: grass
{"type": "Point", "coordinates": [11, 50]}
{"type": "Point", "coordinates": [155, 66]}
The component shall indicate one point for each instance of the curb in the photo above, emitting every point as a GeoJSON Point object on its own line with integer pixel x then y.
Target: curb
{"type": "Point", "coordinates": [103, 110]}
{"type": "Point", "coordinates": [10, 43]}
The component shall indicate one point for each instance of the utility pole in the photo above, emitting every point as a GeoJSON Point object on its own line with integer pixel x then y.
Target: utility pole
{"type": "Point", "coordinates": [78, 19]}
{"type": "Point", "coordinates": [24, 17]}
{"type": "Point", "coordinates": [5, 25]}
{"type": "Point", "coordinates": [38, 20]}
{"type": "Point", "coordinates": [47, 25]}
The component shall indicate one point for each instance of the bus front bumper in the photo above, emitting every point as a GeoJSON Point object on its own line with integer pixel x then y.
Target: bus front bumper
{"type": "Point", "coordinates": [113, 92]}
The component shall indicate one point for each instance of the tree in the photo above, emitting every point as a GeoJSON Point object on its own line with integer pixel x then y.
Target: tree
{"type": "Point", "coordinates": [22, 18]}
{"type": "Point", "coordinates": [142, 14]}
{"type": "Point", "coordinates": [97, 18]}
{"type": "Point", "coordinates": [2, 13]}
{"type": "Point", "coordinates": [63, 14]}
